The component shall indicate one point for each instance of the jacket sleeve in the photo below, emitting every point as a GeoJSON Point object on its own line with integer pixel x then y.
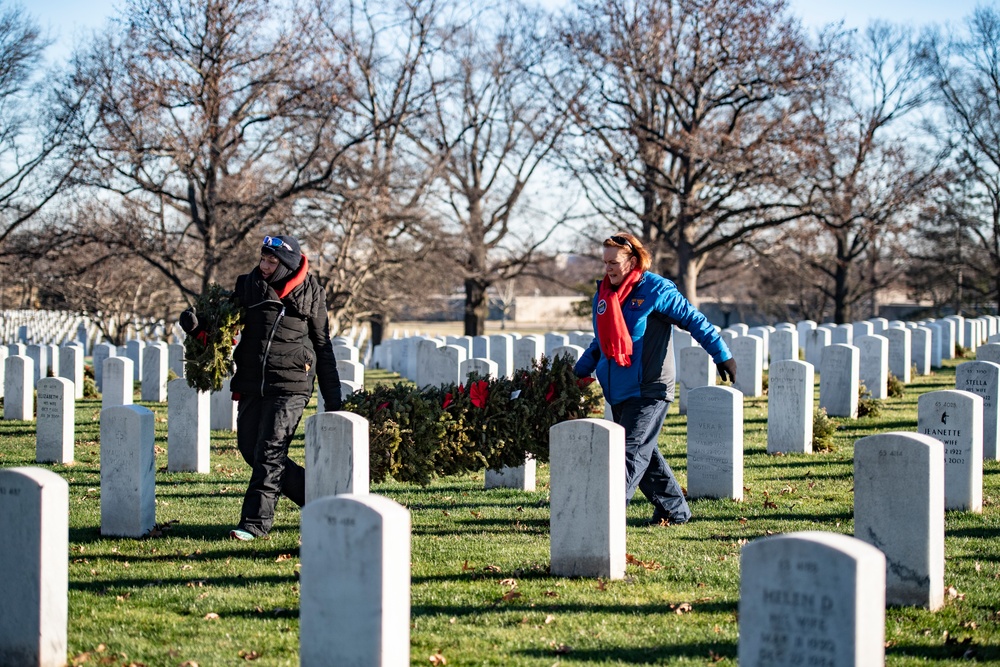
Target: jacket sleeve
{"type": "Point", "coordinates": [326, 362]}
{"type": "Point", "coordinates": [587, 362]}
{"type": "Point", "coordinates": [673, 304]}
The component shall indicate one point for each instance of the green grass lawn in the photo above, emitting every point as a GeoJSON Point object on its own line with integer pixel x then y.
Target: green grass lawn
{"type": "Point", "coordinates": [481, 593]}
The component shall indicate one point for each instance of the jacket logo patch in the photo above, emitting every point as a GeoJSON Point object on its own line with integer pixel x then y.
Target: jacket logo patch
{"type": "Point", "coordinates": [635, 303]}
{"type": "Point", "coordinates": [602, 306]}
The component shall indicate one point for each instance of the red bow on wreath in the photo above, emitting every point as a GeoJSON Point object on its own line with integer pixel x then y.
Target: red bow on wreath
{"type": "Point", "coordinates": [478, 393]}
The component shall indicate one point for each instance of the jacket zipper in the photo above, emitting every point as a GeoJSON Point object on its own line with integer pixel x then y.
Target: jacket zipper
{"type": "Point", "coordinates": [267, 348]}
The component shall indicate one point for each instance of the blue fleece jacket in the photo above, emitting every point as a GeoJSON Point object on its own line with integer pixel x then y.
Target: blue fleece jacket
{"type": "Point", "coordinates": [654, 305]}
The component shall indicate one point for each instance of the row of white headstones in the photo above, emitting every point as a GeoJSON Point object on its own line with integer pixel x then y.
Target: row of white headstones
{"type": "Point", "coordinates": [715, 426]}
{"type": "Point", "coordinates": [803, 596]}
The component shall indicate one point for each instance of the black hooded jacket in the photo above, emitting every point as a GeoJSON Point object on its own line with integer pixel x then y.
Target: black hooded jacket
{"type": "Point", "coordinates": [285, 338]}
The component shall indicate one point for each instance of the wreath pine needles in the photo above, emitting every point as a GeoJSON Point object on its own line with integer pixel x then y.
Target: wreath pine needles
{"type": "Point", "coordinates": [206, 367]}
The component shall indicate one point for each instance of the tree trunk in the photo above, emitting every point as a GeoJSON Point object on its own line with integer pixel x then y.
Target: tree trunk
{"type": "Point", "coordinates": [687, 273]}
{"type": "Point", "coordinates": [476, 307]}
{"type": "Point", "coordinates": [841, 279]}
{"type": "Point", "coordinates": [378, 323]}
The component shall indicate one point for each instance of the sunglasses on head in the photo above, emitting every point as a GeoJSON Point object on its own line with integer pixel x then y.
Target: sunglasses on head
{"type": "Point", "coordinates": [622, 241]}
{"type": "Point", "coordinates": [275, 242]}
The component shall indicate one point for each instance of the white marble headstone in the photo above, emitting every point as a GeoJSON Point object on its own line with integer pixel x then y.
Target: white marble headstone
{"type": "Point", "coordinates": [18, 388]}
{"type": "Point", "coordinates": [55, 430]}
{"type": "Point", "coordinates": [336, 454]}
{"type": "Point", "coordinates": [154, 373]}
{"type": "Point", "coordinates": [956, 419]}
{"type": "Point", "coordinates": [838, 381]}
{"type": "Point", "coordinates": [354, 606]}
{"type": "Point", "coordinates": [811, 598]}
{"type": "Point", "coordinates": [790, 407]}
{"type": "Point", "coordinates": [587, 499]}
{"type": "Point", "coordinates": [899, 353]}
{"type": "Point", "coordinates": [188, 422]}
{"type": "Point", "coordinates": [899, 509]}
{"type": "Point", "coordinates": [715, 443]}
{"type": "Point", "coordinates": [71, 367]}
{"type": "Point", "coordinates": [117, 382]}
{"type": "Point", "coordinates": [874, 365]}
{"type": "Point", "coordinates": [695, 369]}
{"type": "Point", "coordinates": [128, 471]}
{"type": "Point", "coordinates": [983, 378]}
{"type": "Point", "coordinates": [34, 522]}
{"type": "Point", "coordinates": [748, 351]}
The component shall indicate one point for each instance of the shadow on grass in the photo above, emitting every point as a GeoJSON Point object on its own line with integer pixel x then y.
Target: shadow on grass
{"type": "Point", "coordinates": [479, 525]}
{"type": "Point", "coordinates": [640, 655]}
{"type": "Point", "coordinates": [638, 610]}
{"type": "Point", "coordinates": [971, 652]}
{"type": "Point", "coordinates": [112, 586]}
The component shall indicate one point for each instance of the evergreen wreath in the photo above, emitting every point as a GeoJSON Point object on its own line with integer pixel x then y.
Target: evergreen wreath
{"type": "Point", "coordinates": [208, 355]}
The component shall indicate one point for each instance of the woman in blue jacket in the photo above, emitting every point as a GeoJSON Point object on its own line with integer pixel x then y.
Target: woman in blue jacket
{"type": "Point", "coordinates": [632, 356]}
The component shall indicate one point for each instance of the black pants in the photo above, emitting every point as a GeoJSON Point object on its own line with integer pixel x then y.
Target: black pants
{"type": "Point", "coordinates": [645, 467]}
{"type": "Point", "coordinates": [264, 430]}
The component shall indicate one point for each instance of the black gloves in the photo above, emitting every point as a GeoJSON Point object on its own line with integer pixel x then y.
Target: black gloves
{"type": "Point", "coordinates": [188, 320]}
{"type": "Point", "coordinates": [727, 370]}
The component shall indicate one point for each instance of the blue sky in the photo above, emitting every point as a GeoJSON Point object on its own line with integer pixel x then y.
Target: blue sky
{"type": "Point", "coordinates": [68, 19]}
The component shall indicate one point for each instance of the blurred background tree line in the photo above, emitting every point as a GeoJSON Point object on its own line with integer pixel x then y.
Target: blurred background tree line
{"type": "Point", "coordinates": [422, 147]}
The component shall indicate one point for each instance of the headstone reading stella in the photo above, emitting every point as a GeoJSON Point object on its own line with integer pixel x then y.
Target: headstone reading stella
{"type": "Point", "coordinates": [34, 522]}
{"type": "Point", "coordinates": [355, 582]}
{"type": "Point", "coordinates": [899, 509]}
{"type": "Point", "coordinates": [811, 598]}
{"type": "Point", "coordinates": [587, 499]}
{"type": "Point", "coordinates": [715, 443]}
{"type": "Point", "coordinates": [956, 419]}
{"type": "Point", "coordinates": [983, 378]}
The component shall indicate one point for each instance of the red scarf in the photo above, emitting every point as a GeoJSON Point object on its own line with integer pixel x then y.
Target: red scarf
{"type": "Point", "coordinates": [616, 342]}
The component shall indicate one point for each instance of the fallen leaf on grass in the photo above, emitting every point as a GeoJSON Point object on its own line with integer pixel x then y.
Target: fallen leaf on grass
{"type": "Point", "coordinates": [510, 595]}
{"type": "Point", "coordinates": [509, 582]}
{"type": "Point", "coordinates": [770, 505]}
{"type": "Point", "coordinates": [648, 565]}
{"type": "Point", "coordinates": [475, 514]}
{"type": "Point", "coordinates": [682, 608]}
{"type": "Point", "coordinates": [549, 619]}
{"type": "Point", "coordinates": [438, 659]}
{"type": "Point", "coordinates": [561, 649]}
{"type": "Point", "coordinates": [465, 566]}
{"type": "Point", "coordinates": [953, 593]}
{"type": "Point", "coordinates": [491, 568]}
{"type": "Point", "coordinates": [282, 557]}
{"type": "Point", "coordinates": [743, 520]}
{"type": "Point", "coordinates": [189, 663]}
{"type": "Point", "coordinates": [602, 585]}
{"type": "Point", "coordinates": [248, 655]}
{"type": "Point", "coordinates": [714, 657]}
{"type": "Point", "coordinates": [551, 594]}
{"type": "Point", "coordinates": [211, 616]}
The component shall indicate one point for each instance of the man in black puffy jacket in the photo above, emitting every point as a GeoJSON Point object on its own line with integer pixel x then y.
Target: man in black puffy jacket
{"type": "Point", "coordinates": [284, 345]}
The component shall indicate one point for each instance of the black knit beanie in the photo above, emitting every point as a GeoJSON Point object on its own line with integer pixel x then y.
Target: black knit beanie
{"type": "Point", "coordinates": [288, 252]}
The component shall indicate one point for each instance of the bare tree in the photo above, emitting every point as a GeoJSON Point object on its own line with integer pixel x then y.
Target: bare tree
{"type": "Point", "coordinates": [33, 161]}
{"type": "Point", "coordinates": [369, 225]}
{"type": "Point", "coordinates": [964, 72]}
{"type": "Point", "coordinates": [205, 122]}
{"type": "Point", "coordinates": [863, 178]}
{"type": "Point", "coordinates": [492, 129]}
{"type": "Point", "coordinates": [690, 120]}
